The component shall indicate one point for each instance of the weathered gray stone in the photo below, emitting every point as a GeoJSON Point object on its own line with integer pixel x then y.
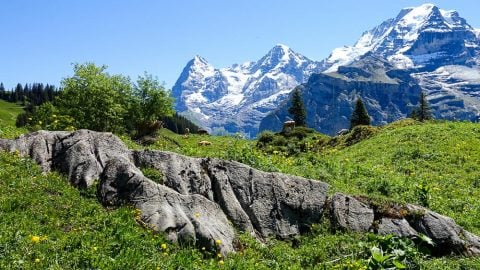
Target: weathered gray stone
{"type": "Point", "coordinates": [350, 214]}
{"type": "Point", "coordinates": [186, 218]}
{"type": "Point", "coordinates": [255, 201]}
{"type": "Point", "coordinates": [448, 236]}
{"type": "Point", "coordinates": [40, 146]}
{"type": "Point", "coordinates": [399, 227]}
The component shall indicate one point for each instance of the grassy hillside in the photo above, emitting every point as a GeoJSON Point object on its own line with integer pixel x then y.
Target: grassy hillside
{"type": "Point", "coordinates": [46, 223]}
{"type": "Point", "coordinates": [433, 164]}
{"type": "Point", "coordinates": [9, 112]}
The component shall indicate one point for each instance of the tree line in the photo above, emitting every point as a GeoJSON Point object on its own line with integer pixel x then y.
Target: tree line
{"type": "Point", "coordinates": [35, 94]}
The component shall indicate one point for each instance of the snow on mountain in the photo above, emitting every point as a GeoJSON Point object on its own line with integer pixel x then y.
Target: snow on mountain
{"type": "Point", "coordinates": [410, 40]}
{"type": "Point", "coordinates": [422, 48]}
{"type": "Point", "coordinates": [453, 91]}
{"type": "Point", "coordinates": [236, 98]}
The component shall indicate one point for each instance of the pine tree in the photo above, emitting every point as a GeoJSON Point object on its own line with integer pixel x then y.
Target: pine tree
{"type": "Point", "coordinates": [297, 110]}
{"type": "Point", "coordinates": [359, 115]}
{"type": "Point", "coordinates": [2, 92]}
{"type": "Point", "coordinates": [424, 112]}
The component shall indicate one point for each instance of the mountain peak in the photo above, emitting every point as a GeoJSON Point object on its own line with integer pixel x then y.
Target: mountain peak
{"type": "Point", "coordinates": [279, 51]}
{"type": "Point", "coordinates": [281, 46]}
{"type": "Point", "coordinates": [198, 60]}
{"type": "Point", "coordinates": [278, 57]}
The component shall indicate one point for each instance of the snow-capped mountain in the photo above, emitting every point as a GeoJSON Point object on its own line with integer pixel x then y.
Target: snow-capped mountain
{"type": "Point", "coordinates": [235, 99]}
{"type": "Point", "coordinates": [419, 37]}
{"type": "Point", "coordinates": [422, 48]}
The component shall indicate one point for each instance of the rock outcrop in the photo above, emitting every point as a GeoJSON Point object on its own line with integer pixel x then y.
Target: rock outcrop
{"type": "Point", "coordinates": [203, 200]}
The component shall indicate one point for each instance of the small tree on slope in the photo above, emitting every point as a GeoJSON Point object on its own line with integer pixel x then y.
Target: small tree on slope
{"type": "Point", "coordinates": [297, 110]}
{"type": "Point", "coordinates": [423, 111]}
{"type": "Point", "coordinates": [359, 115]}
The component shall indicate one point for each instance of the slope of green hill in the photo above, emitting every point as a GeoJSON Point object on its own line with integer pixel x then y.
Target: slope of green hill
{"type": "Point", "coordinates": [47, 224]}
{"type": "Point", "coordinates": [9, 112]}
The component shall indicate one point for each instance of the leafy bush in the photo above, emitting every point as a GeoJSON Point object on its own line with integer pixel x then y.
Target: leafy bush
{"type": "Point", "coordinates": [359, 133]}
{"type": "Point", "coordinates": [299, 132]}
{"type": "Point", "coordinates": [265, 138]}
{"type": "Point", "coordinates": [392, 252]}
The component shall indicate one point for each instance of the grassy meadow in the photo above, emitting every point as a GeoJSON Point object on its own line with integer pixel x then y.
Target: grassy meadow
{"type": "Point", "coordinates": [47, 224]}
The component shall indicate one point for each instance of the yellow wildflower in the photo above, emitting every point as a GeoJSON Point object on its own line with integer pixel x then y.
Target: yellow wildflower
{"type": "Point", "coordinates": [218, 242]}
{"type": "Point", "coordinates": [221, 262]}
{"type": "Point", "coordinates": [164, 246]}
{"type": "Point", "coordinates": [37, 260]}
{"type": "Point", "coordinates": [219, 255]}
{"type": "Point", "coordinates": [197, 215]}
{"type": "Point", "coordinates": [35, 239]}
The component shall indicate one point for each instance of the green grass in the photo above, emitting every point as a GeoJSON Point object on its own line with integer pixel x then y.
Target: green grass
{"type": "Point", "coordinates": [434, 163]}
{"type": "Point", "coordinates": [9, 112]}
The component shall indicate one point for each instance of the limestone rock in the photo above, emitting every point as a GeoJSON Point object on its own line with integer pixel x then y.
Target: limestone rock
{"type": "Point", "coordinates": [448, 236]}
{"type": "Point", "coordinates": [399, 227]}
{"type": "Point", "coordinates": [255, 201]}
{"type": "Point", "coordinates": [350, 214]}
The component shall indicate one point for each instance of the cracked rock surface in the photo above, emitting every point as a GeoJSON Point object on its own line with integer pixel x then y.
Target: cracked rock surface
{"type": "Point", "coordinates": [202, 200]}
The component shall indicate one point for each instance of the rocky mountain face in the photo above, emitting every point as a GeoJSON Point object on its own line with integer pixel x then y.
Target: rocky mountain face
{"type": "Point", "coordinates": [422, 48]}
{"type": "Point", "coordinates": [235, 99]}
{"type": "Point", "coordinates": [328, 97]}
{"type": "Point", "coordinates": [204, 201]}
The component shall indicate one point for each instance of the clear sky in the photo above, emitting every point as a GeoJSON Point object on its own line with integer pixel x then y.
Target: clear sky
{"type": "Point", "coordinates": [40, 39]}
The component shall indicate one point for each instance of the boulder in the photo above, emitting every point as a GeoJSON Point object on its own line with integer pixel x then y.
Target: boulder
{"type": "Point", "coordinates": [350, 214]}
{"type": "Point", "coordinates": [259, 202]}
{"type": "Point", "coordinates": [448, 236]}
{"type": "Point", "coordinates": [399, 227]}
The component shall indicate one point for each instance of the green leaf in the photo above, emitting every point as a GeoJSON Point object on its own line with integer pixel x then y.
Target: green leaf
{"type": "Point", "coordinates": [377, 254]}
{"type": "Point", "coordinates": [399, 265]}
{"type": "Point", "coordinates": [426, 239]}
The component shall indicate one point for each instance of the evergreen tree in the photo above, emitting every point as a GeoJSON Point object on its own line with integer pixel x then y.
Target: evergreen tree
{"type": "Point", "coordinates": [423, 111]}
{"type": "Point", "coordinates": [2, 92]}
{"type": "Point", "coordinates": [17, 94]}
{"type": "Point", "coordinates": [359, 115]}
{"type": "Point", "coordinates": [297, 110]}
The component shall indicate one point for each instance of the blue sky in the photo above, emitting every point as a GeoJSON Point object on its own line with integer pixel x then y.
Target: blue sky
{"type": "Point", "coordinates": [40, 39]}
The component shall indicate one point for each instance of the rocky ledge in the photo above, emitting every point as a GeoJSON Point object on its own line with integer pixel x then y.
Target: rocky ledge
{"type": "Point", "coordinates": [202, 200]}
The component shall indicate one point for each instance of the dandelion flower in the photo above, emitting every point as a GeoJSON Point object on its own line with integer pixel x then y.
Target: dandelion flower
{"type": "Point", "coordinates": [218, 242]}
{"type": "Point", "coordinates": [35, 239]}
{"type": "Point", "coordinates": [37, 260]}
{"type": "Point", "coordinates": [219, 255]}
{"type": "Point", "coordinates": [221, 262]}
{"type": "Point", "coordinates": [164, 246]}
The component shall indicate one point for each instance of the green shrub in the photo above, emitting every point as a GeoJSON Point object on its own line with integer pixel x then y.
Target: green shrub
{"type": "Point", "coordinates": [300, 132]}
{"type": "Point", "coordinates": [359, 133]}
{"type": "Point", "coordinates": [265, 138]}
